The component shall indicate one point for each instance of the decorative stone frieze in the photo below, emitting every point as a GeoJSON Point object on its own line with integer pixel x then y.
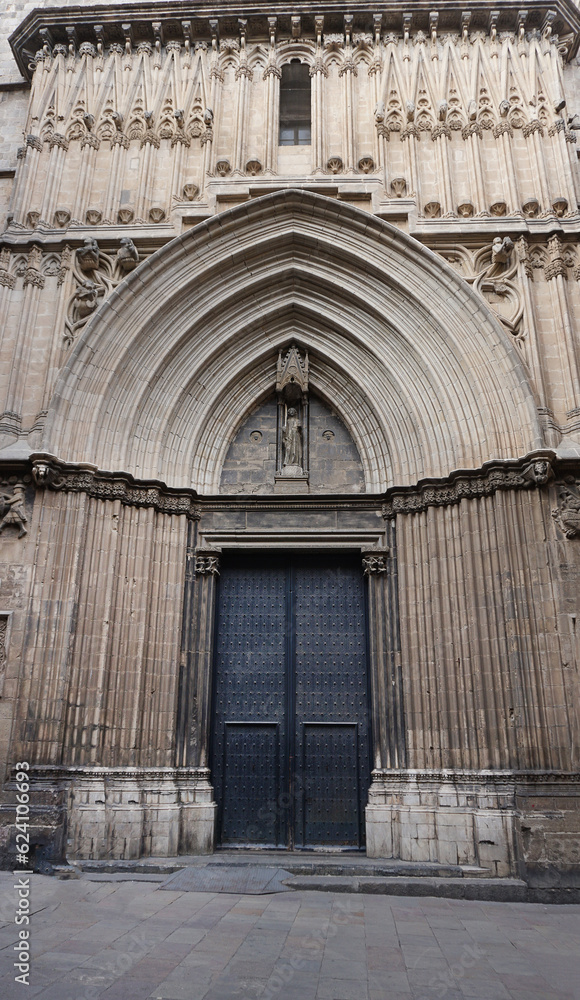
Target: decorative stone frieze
{"type": "Point", "coordinates": [112, 486]}
{"type": "Point", "coordinates": [469, 486]}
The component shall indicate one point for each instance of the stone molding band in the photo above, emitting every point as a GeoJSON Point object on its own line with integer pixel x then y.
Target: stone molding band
{"type": "Point", "coordinates": [48, 772]}
{"type": "Point", "coordinates": [404, 776]}
{"type": "Point", "coordinates": [535, 470]}
{"type": "Point", "coordinates": [146, 25]}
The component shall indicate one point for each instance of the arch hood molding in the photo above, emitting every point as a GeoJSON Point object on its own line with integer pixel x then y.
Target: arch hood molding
{"type": "Point", "coordinates": [422, 374]}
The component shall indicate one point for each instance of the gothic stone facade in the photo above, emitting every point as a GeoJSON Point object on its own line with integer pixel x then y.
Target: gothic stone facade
{"type": "Point", "coordinates": [238, 321]}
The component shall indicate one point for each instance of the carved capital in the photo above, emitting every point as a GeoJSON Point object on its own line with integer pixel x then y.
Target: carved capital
{"type": "Point", "coordinates": [530, 127]}
{"type": "Point", "coordinates": [207, 564]}
{"type": "Point", "coordinates": [90, 140]}
{"type": "Point", "coordinates": [56, 139]}
{"type": "Point", "coordinates": [34, 142]}
{"type": "Point", "coordinates": [7, 279]}
{"type": "Point", "coordinates": [33, 274]}
{"type": "Point", "coordinates": [374, 564]}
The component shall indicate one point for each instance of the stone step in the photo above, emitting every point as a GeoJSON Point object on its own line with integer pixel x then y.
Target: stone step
{"type": "Point", "coordinates": [504, 890]}
{"type": "Point", "coordinates": [298, 863]}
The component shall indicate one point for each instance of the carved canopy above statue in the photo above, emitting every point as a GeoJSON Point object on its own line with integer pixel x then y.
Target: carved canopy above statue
{"type": "Point", "coordinates": [421, 373]}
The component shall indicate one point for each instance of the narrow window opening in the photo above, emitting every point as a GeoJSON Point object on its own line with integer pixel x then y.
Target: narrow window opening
{"type": "Point", "coordinates": [295, 127]}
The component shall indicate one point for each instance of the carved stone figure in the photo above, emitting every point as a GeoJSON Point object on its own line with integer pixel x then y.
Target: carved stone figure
{"type": "Point", "coordinates": [13, 509]}
{"type": "Point", "coordinates": [567, 514]}
{"type": "Point", "coordinates": [85, 300]}
{"type": "Point", "coordinates": [501, 250]}
{"type": "Point", "coordinates": [88, 255]}
{"type": "Point", "coordinates": [292, 440]}
{"type": "Point", "coordinates": [127, 254]}
{"type": "Point", "coordinates": [207, 565]}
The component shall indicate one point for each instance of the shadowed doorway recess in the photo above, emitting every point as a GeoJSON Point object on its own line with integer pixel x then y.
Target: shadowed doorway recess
{"type": "Point", "coordinates": [290, 748]}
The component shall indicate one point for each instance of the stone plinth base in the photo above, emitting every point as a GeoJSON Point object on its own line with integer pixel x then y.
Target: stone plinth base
{"type": "Point", "coordinates": [458, 818]}
{"type": "Point", "coordinates": [117, 813]}
{"type": "Point", "coordinates": [137, 813]}
{"type": "Point", "coordinates": [291, 484]}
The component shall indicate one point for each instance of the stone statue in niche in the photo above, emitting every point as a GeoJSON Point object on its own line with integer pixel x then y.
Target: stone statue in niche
{"type": "Point", "coordinates": [292, 444]}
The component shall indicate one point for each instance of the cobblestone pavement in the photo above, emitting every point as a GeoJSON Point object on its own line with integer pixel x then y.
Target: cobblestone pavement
{"type": "Point", "coordinates": [127, 940]}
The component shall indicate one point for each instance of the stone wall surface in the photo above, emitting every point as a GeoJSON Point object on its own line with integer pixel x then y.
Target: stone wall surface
{"type": "Point", "coordinates": [161, 254]}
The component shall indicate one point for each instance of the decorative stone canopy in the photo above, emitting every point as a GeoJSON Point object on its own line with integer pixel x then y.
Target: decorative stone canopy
{"type": "Point", "coordinates": [158, 22]}
{"type": "Point", "coordinates": [421, 373]}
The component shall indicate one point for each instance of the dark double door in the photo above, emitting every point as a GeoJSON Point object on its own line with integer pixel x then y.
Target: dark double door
{"type": "Point", "coordinates": [290, 745]}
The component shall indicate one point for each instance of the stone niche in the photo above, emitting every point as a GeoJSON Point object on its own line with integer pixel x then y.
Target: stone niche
{"type": "Point", "coordinates": [334, 461]}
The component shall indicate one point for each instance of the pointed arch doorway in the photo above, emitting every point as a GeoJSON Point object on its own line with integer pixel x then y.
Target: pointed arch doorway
{"type": "Point", "coordinates": [290, 755]}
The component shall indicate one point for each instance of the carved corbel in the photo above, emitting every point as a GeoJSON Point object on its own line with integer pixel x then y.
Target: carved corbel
{"type": "Point", "coordinates": [45, 474]}
{"type": "Point", "coordinates": [539, 472]}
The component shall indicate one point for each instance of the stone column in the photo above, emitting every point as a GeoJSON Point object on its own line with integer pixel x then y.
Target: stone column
{"type": "Point", "coordinates": [89, 146]}
{"type": "Point", "coordinates": [374, 71]}
{"type": "Point", "coordinates": [556, 274]}
{"type": "Point", "coordinates": [535, 359]}
{"type": "Point", "coordinates": [243, 76]}
{"type": "Point", "coordinates": [347, 71]}
{"type": "Point", "coordinates": [533, 131]}
{"type": "Point", "coordinates": [58, 145]}
{"type": "Point", "coordinates": [318, 71]}
{"type": "Point", "coordinates": [380, 568]}
{"type": "Point", "coordinates": [388, 724]}
{"type": "Point", "coordinates": [217, 78]}
{"type": "Point", "coordinates": [34, 281]}
{"type": "Point", "coordinates": [193, 725]}
{"type": "Point", "coordinates": [503, 134]}
{"type": "Point", "coordinates": [272, 75]}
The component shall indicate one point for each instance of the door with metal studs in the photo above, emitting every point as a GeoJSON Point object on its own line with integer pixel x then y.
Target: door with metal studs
{"type": "Point", "coordinates": [290, 739]}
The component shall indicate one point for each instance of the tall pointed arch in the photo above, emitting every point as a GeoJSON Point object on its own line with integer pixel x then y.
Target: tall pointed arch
{"type": "Point", "coordinates": [422, 374]}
